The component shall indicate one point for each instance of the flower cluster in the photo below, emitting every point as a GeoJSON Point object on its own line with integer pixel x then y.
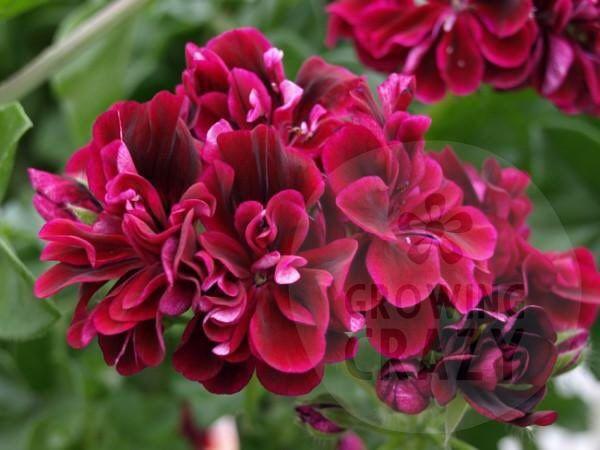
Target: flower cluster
{"type": "Point", "coordinates": [277, 219]}
{"type": "Point", "coordinates": [455, 45]}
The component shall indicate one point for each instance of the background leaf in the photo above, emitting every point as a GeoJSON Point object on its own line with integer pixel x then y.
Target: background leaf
{"type": "Point", "coordinates": [10, 8]}
{"type": "Point", "coordinates": [13, 124]}
{"type": "Point", "coordinates": [21, 315]}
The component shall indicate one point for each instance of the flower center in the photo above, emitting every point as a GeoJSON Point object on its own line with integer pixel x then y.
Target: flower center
{"type": "Point", "coordinates": [260, 278]}
{"type": "Point", "coordinates": [460, 5]}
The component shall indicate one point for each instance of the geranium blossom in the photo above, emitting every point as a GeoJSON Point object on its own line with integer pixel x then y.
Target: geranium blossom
{"type": "Point", "coordinates": [486, 354]}
{"type": "Point", "coordinates": [277, 219]}
{"type": "Point", "coordinates": [237, 81]}
{"type": "Point", "coordinates": [568, 49]}
{"type": "Point", "coordinates": [141, 169]}
{"type": "Point", "coordinates": [416, 232]}
{"type": "Point", "coordinates": [456, 45]}
{"type": "Point", "coordinates": [446, 44]}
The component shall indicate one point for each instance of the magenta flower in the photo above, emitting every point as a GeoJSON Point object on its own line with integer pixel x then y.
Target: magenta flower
{"type": "Point", "coordinates": [501, 195]}
{"type": "Point", "coordinates": [455, 45]}
{"type": "Point", "coordinates": [269, 299]}
{"type": "Point", "coordinates": [499, 364]}
{"type": "Point", "coordinates": [566, 285]}
{"type": "Point", "coordinates": [447, 45]}
{"type": "Point", "coordinates": [136, 207]}
{"type": "Point", "coordinates": [414, 230]}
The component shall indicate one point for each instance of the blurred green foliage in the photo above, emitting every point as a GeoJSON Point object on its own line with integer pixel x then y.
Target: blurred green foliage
{"type": "Point", "coordinates": [52, 397]}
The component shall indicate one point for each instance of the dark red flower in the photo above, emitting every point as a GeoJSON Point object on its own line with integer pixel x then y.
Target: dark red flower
{"type": "Point", "coordinates": [566, 285]}
{"type": "Point", "coordinates": [270, 296]}
{"type": "Point", "coordinates": [141, 170]}
{"type": "Point", "coordinates": [237, 81]}
{"type": "Point", "coordinates": [445, 44]}
{"type": "Point", "coordinates": [499, 364]}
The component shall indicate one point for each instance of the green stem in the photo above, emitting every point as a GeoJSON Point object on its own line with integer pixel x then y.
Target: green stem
{"type": "Point", "coordinates": [54, 57]}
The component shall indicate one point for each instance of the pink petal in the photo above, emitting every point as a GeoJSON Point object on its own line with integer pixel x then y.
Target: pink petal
{"type": "Point", "coordinates": [366, 203]}
{"type": "Point", "coordinates": [404, 278]}
{"type": "Point", "coordinates": [289, 384]}
{"type": "Point", "coordinates": [458, 56]}
{"type": "Point", "coordinates": [284, 345]}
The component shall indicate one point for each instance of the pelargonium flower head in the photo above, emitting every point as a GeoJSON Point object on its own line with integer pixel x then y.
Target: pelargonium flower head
{"type": "Point", "coordinates": [500, 364]}
{"type": "Point", "coordinates": [137, 192]}
{"type": "Point", "coordinates": [501, 194]}
{"type": "Point", "coordinates": [272, 301]}
{"type": "Point", "coordinates": [447, 44]}
{"type": "Point", "coordinates": [568, 50]}
{"type": "Point", "coordinates": [237, 81]}
{"type": "Point", "coordinates": [566, 285]}
{"type": "Point", "coordinates": [415, 233]}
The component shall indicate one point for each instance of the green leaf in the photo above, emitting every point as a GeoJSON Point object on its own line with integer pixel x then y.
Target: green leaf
{"type": "Point", "coordinates": [457, 444]}
{"type": "Point", "coordinates": [97, 78]}
{"type": "Point", "coordinates": [455, 411]}
{"type": "Point", "coordinates": [22, 316]}
{"type": "Point", "coordinates": [13, 124]}
{"type": "Point", "coordinates": [572, 141]}
{"type": "Point", "coordinates": [11, 8]}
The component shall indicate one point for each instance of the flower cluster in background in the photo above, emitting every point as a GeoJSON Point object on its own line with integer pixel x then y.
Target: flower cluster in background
{"type": "Point", "coordinates": [456, 45]}
{"type": "Point", "coordinates": [281, 218]}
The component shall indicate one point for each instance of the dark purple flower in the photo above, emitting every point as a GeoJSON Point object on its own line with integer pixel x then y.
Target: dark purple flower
{"type": "Point", "coordinates": [499, 364]}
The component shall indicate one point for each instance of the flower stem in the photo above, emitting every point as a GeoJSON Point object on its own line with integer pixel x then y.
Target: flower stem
{"type": "Point", "coordinates": [54, 57]}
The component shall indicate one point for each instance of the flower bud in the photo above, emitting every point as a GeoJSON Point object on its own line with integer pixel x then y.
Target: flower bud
{"type": "Point", "coordinates": [403, 387]}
